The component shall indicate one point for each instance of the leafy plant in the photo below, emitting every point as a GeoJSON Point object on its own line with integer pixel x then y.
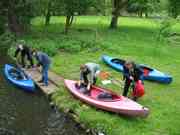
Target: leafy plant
{"type": "Point", "coordinates": [165, 28]}
{"type": "Point", "coordinates": [7, 40]}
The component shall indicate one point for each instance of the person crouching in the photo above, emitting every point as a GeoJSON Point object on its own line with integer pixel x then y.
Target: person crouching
{"type": "Point", "coordinates": [88, 75]}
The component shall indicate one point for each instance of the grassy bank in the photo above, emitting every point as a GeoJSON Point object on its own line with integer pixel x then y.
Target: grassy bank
{"type": "Point", "coordinates": [134, 39]}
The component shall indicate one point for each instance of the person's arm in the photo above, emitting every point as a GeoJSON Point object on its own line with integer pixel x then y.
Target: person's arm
{"type": "Point", "coordinates": [81, 76]}
{"type": "Point", "coordinates": [38, 58]}
{"type": "Point", "coordinates": [141, 75]}
{"type": "Point", "coordinates": [16, 52]}
{"type": "Point", "coordinates": [126, 73]}
{"type": "Point", "coordinates": [92, 75]}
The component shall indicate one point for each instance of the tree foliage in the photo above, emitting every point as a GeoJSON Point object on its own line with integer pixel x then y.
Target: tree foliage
{"type": "Point", "coordinates": [142, 7]}
{"type": "Point", "coordinates": [77, 7]}
{"type": "Point", "coordinates": [2, 17]}
{"type": "Point", "coordinates": [17, 14]}
{"type": "Point", "coordinates": [174, 8]}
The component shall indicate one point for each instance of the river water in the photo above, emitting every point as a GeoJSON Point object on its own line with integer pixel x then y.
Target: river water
{"type": "Point", "coordinates": [23, 113]}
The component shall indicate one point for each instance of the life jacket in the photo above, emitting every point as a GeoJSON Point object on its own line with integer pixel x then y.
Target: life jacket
{"type": "Point", "coordinates": [138, 90]}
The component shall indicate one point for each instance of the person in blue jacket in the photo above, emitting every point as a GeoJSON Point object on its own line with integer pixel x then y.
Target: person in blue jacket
{"type": "Point", "coordinates": [131, 73]}
{"type": "Point", "coordinates": [43, 60]}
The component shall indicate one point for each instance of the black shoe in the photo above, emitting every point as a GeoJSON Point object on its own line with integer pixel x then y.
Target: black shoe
{"type": "Point", "coordinates": [40, 81]}
{"type": "Point", "coordinates": [134, 98]}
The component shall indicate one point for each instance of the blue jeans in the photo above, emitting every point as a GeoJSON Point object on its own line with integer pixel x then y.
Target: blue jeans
{"type": "Point", "coordinates": [45, 69]}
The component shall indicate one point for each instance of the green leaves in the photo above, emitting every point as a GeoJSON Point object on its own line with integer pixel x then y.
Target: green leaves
{"type": "Point", "coordinates": [142, 6]}
{"type": "Point", "coordinates": [174, 8]}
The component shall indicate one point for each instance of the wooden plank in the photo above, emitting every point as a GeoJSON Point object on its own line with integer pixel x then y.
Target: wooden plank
{"type": "Point", "coordinates": [55, 78]}
{"type": "Point", "coordinates": [36, 76]}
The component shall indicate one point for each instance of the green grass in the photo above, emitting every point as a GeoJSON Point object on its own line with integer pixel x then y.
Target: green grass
{"type": "Point", "coordinates": [134, 39]}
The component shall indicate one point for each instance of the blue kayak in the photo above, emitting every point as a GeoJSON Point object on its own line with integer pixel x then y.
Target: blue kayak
{"type": "Point", "coordinates": [149, 73]}
{"type": "Point", "coordinates": [19, 78]}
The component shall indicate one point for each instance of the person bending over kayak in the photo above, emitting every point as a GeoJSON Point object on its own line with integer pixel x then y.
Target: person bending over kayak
{"type": "Point", "coordinates": [25, 51]}
{"type": "Point", "coordinates": [88, 75]}
{"type": "Point", "coordinates": [131, 73]}
{"type": "Point", "coordinates": [43, 60]}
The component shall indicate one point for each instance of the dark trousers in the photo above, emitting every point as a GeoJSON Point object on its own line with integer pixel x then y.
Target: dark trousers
{"type": "Point", "coordinates": [29, 58]}
{"type": "Point", "coordinates": [126, 87]}
{"type": "Point", "coordinates": [86, 81]}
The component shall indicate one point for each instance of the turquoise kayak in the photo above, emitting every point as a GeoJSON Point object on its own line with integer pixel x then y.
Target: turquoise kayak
{"type": "Point", "coordinates": [148, 72]}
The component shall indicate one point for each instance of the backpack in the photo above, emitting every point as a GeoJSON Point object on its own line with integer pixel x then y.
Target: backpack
{"type": "Point", "coordinates": [138, 90]}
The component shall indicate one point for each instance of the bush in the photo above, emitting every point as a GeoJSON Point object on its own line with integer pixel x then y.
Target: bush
{"type": "Point", "coordinates": [69, 45]}
{"type": "Point", "coordinates": [7, 40]}
{"type": "Point", "coordinates": [72, 46]}
{"type": "Point", "coordinates": [166, 27]}
{"type": "Point", "coordinates": [47, 46]}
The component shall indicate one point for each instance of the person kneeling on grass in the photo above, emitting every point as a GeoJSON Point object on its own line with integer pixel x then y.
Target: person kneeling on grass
{"type": "Point", "coordinates": [132, 73]}
{"type": "Point", "coordinates": [43, 60]}
{"type": "Point", "coordinates": [88, 76]}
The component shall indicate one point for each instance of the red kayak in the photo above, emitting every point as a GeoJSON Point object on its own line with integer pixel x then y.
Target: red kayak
{"type": "Point", "coordinates": [117, 104]}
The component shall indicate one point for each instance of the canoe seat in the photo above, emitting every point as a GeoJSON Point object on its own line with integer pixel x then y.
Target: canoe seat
{"type": "Point", "coordinates": [146, 72]}
{"type": "Point", "coordinates": [98, 94]}
{"type": "Point", "coordinates": [16, 74]}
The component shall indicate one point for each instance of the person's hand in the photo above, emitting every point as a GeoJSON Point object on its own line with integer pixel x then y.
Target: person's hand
{"type": "Point", "coordinates": [79, 83]}
{"type": "Point", "coordinates": [131, 78]}
{"type": "Point", "coordinates": [34, 66]}
{"type": "Point", "coordinates": [88, 87]}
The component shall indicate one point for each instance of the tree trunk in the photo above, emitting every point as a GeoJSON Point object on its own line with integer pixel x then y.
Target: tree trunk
{"type": "Point", "coordinates": [146, 15]}
{"type": "Point", "coordinates": [14, 23]}
{"type": "Point", "coordinates": [114, 22]}
{"type": "Point", "coordinates": [115, 12]}
{"type": "Point", "coordinates": [117, 6]}
{"type": "Point", "coordinates": [141, 13]}
{"type": "Point", "coordinates": [69, 21]}
{"type": "Point", "coordinates": [48, 14]}
{"type": "Point", "coordinates": [48, 17]}
{"type": "Point", "coordinates": [2, 24]}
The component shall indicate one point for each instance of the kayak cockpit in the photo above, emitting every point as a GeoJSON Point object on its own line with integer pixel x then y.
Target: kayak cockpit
{"type": "Point", "coordinates": [103, 95]}
{"type": "Point", "coordinates": [17, 74]}
{"type": "Point", "coordinates": [146, 70]}
{"type": "Point", "coordinates": [118, 61]}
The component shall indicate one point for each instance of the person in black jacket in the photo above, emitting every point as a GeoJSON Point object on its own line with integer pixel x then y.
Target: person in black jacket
{"type": "Point", "coordinates": [131, 73]}
{"type": "Point", "coordinates": [25, 52]}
